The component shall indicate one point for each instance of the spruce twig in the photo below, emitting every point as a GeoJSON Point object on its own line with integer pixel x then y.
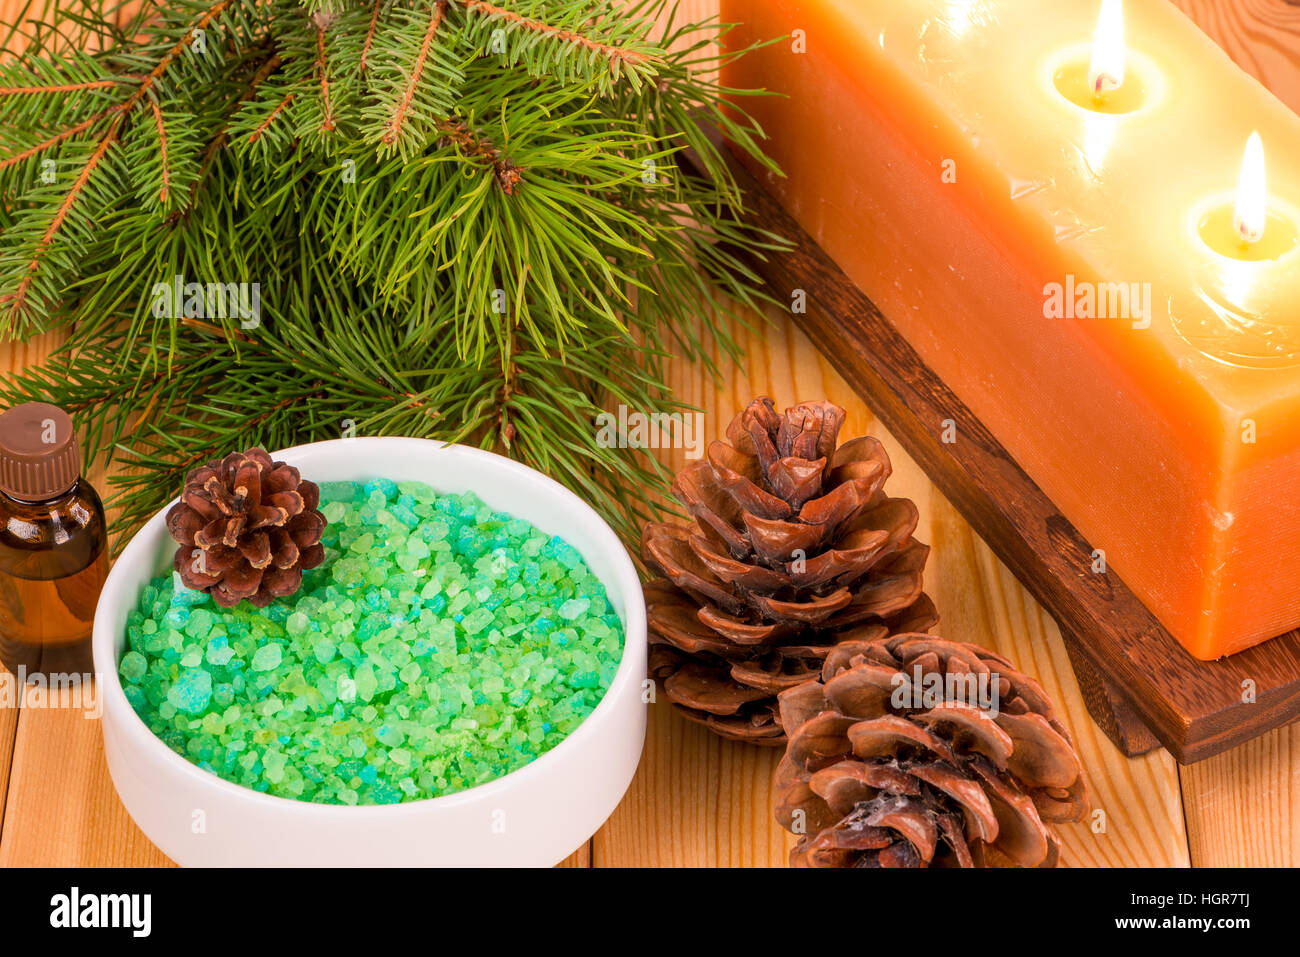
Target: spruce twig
{"type": "Point", "coordinates": [53, 141]}
{"type": "Point", "coordinates": [254, 136]}
{"type": "Point", "coordinates": [394, 130]}
{"type": "Point", "coordinates": [322, 68]}
{"type": "Point", "coordinates": [162, 148]}
{"type": "Point", "coordinates": [370, 34]}
{"type": "Point", "coordinates": [615, 54]}
{"type": "Point", "coordinates": [464, 218]}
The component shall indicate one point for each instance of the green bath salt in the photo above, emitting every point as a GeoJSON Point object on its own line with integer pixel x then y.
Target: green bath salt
{"type": "Point", "coordinates": [440, 645]}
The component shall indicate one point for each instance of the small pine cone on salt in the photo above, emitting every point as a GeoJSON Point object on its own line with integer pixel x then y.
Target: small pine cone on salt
{"type": "Point", "coordinates": [903, 756]}
{"type": "Point", "coordinates": [248, 527]}
{"type": "Point", "coordinates": [795, 548]}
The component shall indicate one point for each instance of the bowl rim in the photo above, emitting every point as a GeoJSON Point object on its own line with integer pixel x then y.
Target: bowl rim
{"type": "Point", "coordinates": [104, 643]}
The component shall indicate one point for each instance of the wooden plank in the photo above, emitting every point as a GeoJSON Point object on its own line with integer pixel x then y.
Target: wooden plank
{"type": "Point", "coordinates": [579, 858]}
{"type": "Point", "coordinates": [8, 734]}
{"type": "Point", "coordinates": [1243, 807]}
{"type": "Point", "coordinates": [698, 801]}
{"type": "Point", "coordinates": [1261, 36]}
{"type": "Point", "coordinates": [62, 809]}
{"type": "Point", "coordinates": [13, 356]}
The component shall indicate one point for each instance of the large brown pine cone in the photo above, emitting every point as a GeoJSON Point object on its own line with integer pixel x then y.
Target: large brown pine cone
{"type": "Point", "coordinates": [877, 777]}
{"type": "Point", "coordinates": [247, 528]}
{"type": "Point", "coordinates": [795, 549]}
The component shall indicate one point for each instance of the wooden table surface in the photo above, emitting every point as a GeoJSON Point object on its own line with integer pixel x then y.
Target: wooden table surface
{"type": "Point", "coordinates": [700, 801]}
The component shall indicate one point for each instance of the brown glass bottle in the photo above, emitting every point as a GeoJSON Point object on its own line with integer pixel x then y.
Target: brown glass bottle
{"type": "Point", "coordinates": [53, 554]}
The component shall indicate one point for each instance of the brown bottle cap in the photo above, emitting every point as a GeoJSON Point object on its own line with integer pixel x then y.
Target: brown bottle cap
{"type": "Point", "coordinates": [39, 458]}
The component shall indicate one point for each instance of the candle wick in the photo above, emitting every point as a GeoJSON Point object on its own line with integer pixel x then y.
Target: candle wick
{"type": "Point", "coordinates": [1251, 214]}
{"type": "Point", "coordinates": [1103, 84]}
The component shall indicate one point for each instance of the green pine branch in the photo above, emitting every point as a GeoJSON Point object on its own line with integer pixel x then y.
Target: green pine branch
{"type": "Point", "coordinates": [463, 220]}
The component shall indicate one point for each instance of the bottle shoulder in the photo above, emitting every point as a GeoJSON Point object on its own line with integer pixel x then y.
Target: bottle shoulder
{"type": "Point", "coordinates": [72, 524]}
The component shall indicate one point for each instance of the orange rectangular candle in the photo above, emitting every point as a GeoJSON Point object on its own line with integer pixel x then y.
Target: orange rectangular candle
{"type": "Point", "coordinates": [1069, 263]}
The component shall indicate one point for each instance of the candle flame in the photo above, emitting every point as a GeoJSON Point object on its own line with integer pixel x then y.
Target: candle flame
{"type": "Point", "coordinates": [1107, 70]}
{"type": "Point", "coordinates": [1251, 214]}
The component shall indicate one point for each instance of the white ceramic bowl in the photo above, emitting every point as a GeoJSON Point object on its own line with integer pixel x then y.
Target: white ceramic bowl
{"type": "Point", "coordinates": [535, 816]}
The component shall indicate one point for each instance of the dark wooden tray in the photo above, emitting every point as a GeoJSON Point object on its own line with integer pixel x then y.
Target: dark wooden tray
{"type": "Point", "coordinates": [1141, 687]}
